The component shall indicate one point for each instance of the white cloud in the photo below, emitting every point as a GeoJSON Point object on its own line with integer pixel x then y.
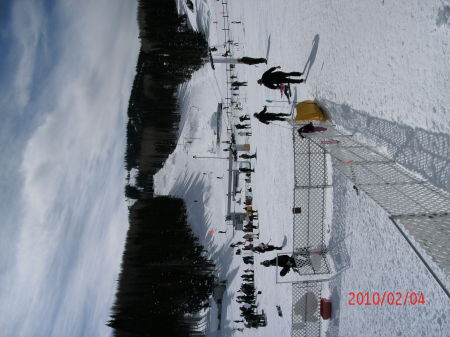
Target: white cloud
{"type": "Point", "coordinates": [74, 214]}
{"type": "Point", "coordinates": [28, 27]}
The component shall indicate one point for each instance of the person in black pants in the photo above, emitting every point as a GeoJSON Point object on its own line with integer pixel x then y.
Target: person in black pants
{"type": "Point", "coordinates": [265, 117]}
{"type": "Point", "coordinates": [272, 79]}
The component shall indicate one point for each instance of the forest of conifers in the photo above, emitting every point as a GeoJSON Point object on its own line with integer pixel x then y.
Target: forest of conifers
{"type": "Point", "coordinates": [165, 276]}
{"type": "Point", "coordinates": [170, 53]}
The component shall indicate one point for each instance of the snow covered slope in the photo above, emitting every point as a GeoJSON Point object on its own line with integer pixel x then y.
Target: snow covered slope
{"type": "Point", "coordinates": [386, 61]}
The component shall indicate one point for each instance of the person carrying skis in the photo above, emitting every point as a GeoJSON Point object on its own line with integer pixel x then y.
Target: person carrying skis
{"type": "Point", "coordinates": [272, 79]}
{"type": "Point", "coordinates": [265, 117]}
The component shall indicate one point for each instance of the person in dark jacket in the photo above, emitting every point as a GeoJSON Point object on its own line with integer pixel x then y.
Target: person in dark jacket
{"type": "Point", "coordinates": [242, 126]}
{"type": "Point", "coordinates": [238, 84]}
{"type": "Point", "coordinates": [237, 244]}
{"type": "Point", "coordinates": [272, 79]}
{"type": "Point", "coordinates": [265, 117]}
{"type": "Point", "coordinates": [285, 261]}
{"type": "Point", "coordinates": [248, 156]}
{"type": "Point", "coordinates": [263, 247]}
{"type": "Point", "coordinates": [244, 118]}
{"type": "Point", "coordinates": [251, 60]}
{"type": "Point", "coordinates": [248, 259]}
{"type": "Point", "coordinates": [308, 128]}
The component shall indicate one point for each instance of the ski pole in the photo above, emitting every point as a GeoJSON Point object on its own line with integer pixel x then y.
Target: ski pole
{"type": "Point", "coordinates": [271, 101]}
{"type": "Point", "coordinates": [278, 106]}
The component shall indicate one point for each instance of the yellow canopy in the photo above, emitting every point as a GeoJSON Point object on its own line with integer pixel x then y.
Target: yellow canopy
{"type": "Point", "coordinates": [310, 111]}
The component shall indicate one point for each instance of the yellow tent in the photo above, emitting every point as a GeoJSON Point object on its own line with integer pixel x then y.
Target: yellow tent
{"type": "Point", "coordinates": [310, 111]}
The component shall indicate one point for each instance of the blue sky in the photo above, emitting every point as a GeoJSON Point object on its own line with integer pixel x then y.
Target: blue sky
{"type": "Point", "coordinates": [65, 76]}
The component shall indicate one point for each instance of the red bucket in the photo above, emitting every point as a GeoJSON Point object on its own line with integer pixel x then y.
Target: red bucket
{"type": "Point", "coordinates": [325, 308]}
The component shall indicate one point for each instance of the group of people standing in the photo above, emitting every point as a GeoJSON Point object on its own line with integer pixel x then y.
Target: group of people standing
{"type": "Point", "coordinates": [274, 79]}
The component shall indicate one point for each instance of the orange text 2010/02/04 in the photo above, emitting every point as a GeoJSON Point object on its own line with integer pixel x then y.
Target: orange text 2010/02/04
{"type": "Point", "coordinates": [398, 298]}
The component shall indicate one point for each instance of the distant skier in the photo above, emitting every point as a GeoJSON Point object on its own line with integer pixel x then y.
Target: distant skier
{"type": "Point", "coordinates": [263, 247]}
{"type": "Point", "coordinates": [265, 117]}
{"type": "Point", "coordinates": [238, 84]}
{"type": "Point", "coordinates": [272, 79]}
{"type": "Point", "coordinates": [310, 127]}
{"type": "Point", "coordinates": [242, 126]}
{"type": "Point", "coordinates": [247, 156]}
{"type": "Point", "coordinates": [251, 60]}
{"type": "Point", "coordinates": [244, 118]}
{"type": "Point", "coordinates": [248, 259]}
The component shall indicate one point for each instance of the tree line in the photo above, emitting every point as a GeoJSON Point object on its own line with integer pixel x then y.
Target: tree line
{"type": "Point", "coordinates": [165, 274]}
{"type": "Point", "coordinates": [170, 52]}
{"type": "Point", "coordinates": [165, 277]}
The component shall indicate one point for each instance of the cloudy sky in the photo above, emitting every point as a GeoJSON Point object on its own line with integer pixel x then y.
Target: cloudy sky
{"type": "Point", "coordinates": [66, 69]}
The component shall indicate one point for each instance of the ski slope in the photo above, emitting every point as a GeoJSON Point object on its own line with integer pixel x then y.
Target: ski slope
{"type": "Point", "coordinates": [369, 63]}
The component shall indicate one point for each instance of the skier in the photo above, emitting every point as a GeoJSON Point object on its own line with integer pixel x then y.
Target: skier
{"type": "Point", "coordinates": [242, 126]}
{"type": "Point", "coordinates": [251, 60]}
{"type": "Point", "coordinates": [272, 79]}
{"type": "Point", "coordinates": [248, 259]}
{"type": "Point", "coordinates": [244, 118]}
{"type": "Point", "coordinates": [285, 261]}
{"type": "Point", "coordinates": [248, 277]}
{"type": "Point", "coordinates": [310, 127]}
{"type": "Point", "coordinates": [265, 117]}
{"type": "Point", "coordinates": [263, 247]}
{"type": "Point", "coordinates": [247, 156]}
{"type": "Point", "coordinates": [250, 226]}
{"type": "Point", "coordinates": [238, 84]}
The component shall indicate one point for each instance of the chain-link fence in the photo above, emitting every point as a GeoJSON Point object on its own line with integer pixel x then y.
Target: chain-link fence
{"type": "Point", "coordinates": [311, 182]}
{"type": "Point", "coordinates": [421, 208]}
{"type": "Point", "coordinates": [305, 309]}
{"type": "Point", "coordinates": [432, 232]}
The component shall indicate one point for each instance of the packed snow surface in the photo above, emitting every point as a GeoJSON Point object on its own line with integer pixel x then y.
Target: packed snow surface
{"type": "Point", "coordinates": [382, 70]}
